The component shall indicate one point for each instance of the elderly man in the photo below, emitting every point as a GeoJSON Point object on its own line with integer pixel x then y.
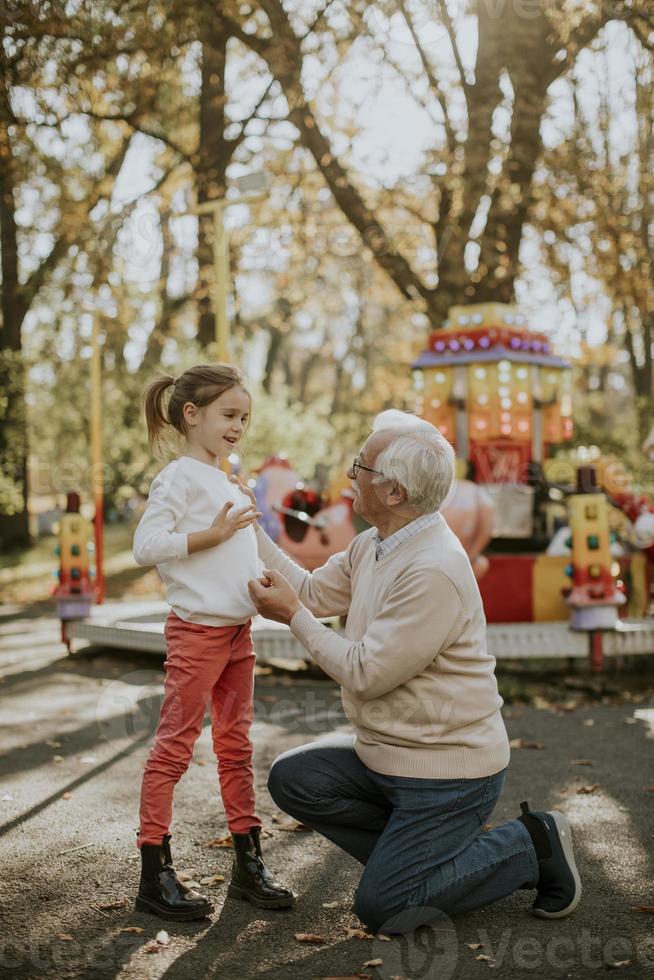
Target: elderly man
{"type": "Point", "coordinates": [408, 794]}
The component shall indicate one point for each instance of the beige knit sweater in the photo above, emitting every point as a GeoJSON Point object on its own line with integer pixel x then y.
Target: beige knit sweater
{"type": "Point", "coordinates": [418, 684]}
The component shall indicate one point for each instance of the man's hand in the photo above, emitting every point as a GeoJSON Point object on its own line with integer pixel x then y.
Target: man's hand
{"type": "Point", "coordinates": [274, 597]}
{"type": "Point", "coordinates": [244, 488]}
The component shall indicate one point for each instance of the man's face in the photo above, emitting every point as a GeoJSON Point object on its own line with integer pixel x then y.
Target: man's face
{"type": "Point", "coordinates": [369, 497]}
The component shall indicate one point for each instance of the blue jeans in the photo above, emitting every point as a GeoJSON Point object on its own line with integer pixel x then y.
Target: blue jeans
{"type": "Point", "coordinates": [419, 839]}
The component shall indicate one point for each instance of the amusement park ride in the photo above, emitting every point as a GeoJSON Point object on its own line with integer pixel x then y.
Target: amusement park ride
{"type": "Point", "coordinates": [560, 545]}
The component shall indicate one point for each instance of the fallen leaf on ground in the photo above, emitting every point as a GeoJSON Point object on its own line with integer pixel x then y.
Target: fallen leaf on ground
{"type": "Point", "coordinates": [65, 937]}
{"type": "Point", "coordinates": [330, 905]}
{"type": "Point", "coordinates": [485, 958]}
{"type": "Point", "coordinates": [353, 933]}
{"type": "Point", "coordinates": [308, 937]}
{"type": "Point", "coordinates": [620, 964]}
{"type": "Point", "coordinates": [523, 743]}
{"type": "Point", "coordinates": [588, 789]}
{"type": "Point", "coordinates": [118, 904]}
{"type": "Point", "coordinates": [212, 879]}
{"type": "Point", "coordinates": [66, 796]}
{"type": "Point", "coordinates": [649, 909]}
{"type": "Point", "coordinates": [475, 945]}
{"type": "Point", "coordinates": [220, 842]}
{"type": "Point", "coordinates": [295, 827]}
{"type": "Point", "coordinates": [376, 962]}
{"type": "Point", "coordinates": [137, 930]}
{"type": "Point", "coordinates": [583, 762]}
{"type": "Point", "coordinates": [186, 874]}
{"type": "Point", "coordinates": [383, 938]}
{"type": "Point", "coordinates": [162, 937]}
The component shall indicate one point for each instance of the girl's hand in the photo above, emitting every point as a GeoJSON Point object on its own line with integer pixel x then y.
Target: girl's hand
{"type": "Point", "coordinates": [248, 491]}
{"type": "Point", "coordinates": [230, 520]}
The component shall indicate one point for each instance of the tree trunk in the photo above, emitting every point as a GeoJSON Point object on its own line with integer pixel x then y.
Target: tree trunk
{"type": "Point", "coordinates": [213, 157]}
{"type": "Point", "coordinates": [14, 525]}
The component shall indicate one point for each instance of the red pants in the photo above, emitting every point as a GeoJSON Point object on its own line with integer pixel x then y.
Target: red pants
{"type": "Point", "coordinates": [205, 665]}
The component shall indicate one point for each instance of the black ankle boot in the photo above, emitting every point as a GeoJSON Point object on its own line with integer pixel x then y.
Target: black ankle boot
{"type": "Point", "coordinates": [251, 879]}
{"type": "Point", "coordinates": [160, 891]}
{"type": "Point", "coordinates": [559, 884]}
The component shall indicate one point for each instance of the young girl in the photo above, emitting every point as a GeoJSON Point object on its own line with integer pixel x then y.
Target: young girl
{"type": "Point", "coordinates": [197, 529]}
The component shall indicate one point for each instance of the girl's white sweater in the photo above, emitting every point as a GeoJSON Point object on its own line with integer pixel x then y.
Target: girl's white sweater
{"type": "Point", "coordinates": [209, 587]}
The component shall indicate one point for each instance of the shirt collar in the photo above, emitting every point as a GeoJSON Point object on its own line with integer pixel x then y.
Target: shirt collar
{"type": "Point", "coordinates": [383, 548]}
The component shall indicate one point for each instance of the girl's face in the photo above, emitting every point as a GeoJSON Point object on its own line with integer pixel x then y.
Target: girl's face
{"type": "Point", "coordinates": [215, 430]}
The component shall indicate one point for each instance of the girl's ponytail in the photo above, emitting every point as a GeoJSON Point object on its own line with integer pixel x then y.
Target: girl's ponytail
{"type": "Point", "coordinates": [155, 415]}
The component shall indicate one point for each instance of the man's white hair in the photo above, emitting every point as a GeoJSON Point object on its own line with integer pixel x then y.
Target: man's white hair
{"type": "Point", "coordinates": [418, 458]}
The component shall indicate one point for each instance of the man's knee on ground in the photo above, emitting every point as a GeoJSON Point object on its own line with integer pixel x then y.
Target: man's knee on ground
{"type": "Point", "coordinates": [372, 906]}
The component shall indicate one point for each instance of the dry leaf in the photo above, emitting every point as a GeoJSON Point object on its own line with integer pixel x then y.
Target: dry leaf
{"type": "Point", "coordinates": [583, 762]}
{"type": "Point", "coordinates": [295, 827]}
{"type": "Point", "coordinates": [308, 937]}
{"type": "Point", "coordinates": [353, 933]}
{"type": "Point", "coordinates": [620, 964]}
{"type": "Point", "coordinates": [137, 930]}
{"type": "Point", "coordinates": [384, 939]}
{"type": "Point", "coordinates": [588, 789]}
{"type": "Point", "coordinates": [523, 743]}
{"type": "Point", "coordinates": [65, 936]}
{"type": "Point", "coordinates": [485, 958]}
{"type": "Point", "coordinates": [648, 909]}
{"type": "Point", "coordinates": [330, 905]}
{"type": "Point", "coordinates": [186, 874]}
{"type": "Point", "coordinates": [162, 937]}
{"type": "Point", "coordinates": [376, 962]}
{"type": "Point", "coordinates": [212, 879]}
{"type": "Point", "coordinates": [220, 842]}
{"type": "Point", "coordinates": [118, 904]}
{"type": "Point", "coordinates": [475, 945]}
{"type": "Point", "coordinates": [66, 796]}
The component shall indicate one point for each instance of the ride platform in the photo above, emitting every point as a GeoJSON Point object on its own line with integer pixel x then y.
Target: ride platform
{"type": "Point", "coordinates": [139, 626]}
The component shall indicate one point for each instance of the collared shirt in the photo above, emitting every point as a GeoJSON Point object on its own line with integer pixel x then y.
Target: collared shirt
{"type": "Point", "coordinates": [383, 548]}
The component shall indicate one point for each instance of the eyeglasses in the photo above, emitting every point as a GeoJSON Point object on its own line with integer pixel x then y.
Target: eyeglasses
{"type": "Point", "coordinates": [358, 465]}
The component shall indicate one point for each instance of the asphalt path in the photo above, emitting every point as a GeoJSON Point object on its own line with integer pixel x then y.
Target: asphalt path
{"type": "Point", "coordinates": [75, 732]}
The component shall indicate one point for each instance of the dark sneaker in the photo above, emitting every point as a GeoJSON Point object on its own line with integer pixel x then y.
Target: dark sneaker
{"type": "Point", "coordinates": [559, 884]}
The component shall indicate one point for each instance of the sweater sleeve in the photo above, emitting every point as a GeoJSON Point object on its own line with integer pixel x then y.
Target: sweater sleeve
{"type": "Point", "coordinates": [155, 538]}
{"type": "Point", "coordinates": [422, 616]}
{"type": "Point", "coordinates": [325, 592]}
